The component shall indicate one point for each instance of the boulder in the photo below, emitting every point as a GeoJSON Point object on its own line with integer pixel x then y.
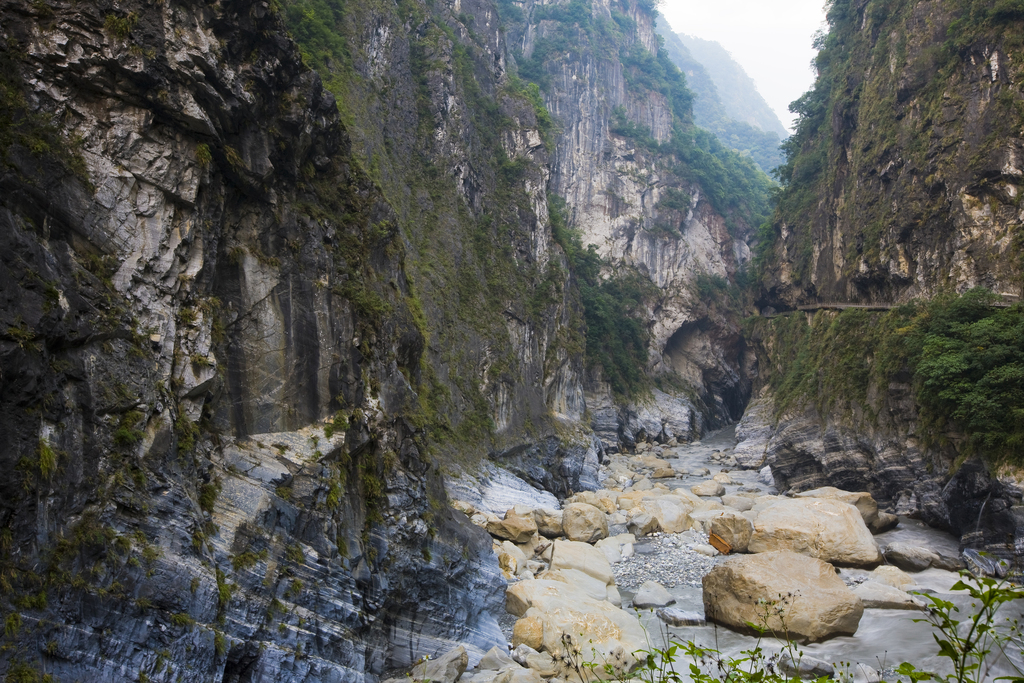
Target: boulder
{"type": "Point", "coordinates": [445, 669]}
{"type": "Point", "coordinates": [663, 473]}
{"type": "Point", "coordinates": [827, 529]}
{"type": "Point", "coordinates": [515, 528]}
{"type": "Point", "coordinates": [880, 596]}
{"type": "Point", "coordinates": [518, 675]}
{"type": "Point", "coordinates": [708, 488]}
{"type": "Point", "coordinates": [584, 557]}
{"type": "Point", "coordinates": [595, 588]}
{"type": "Point", "coordinates": [549, 522]}
{"type": "Point", "coordinates": [584, 522]}
{"type": "Point", "coordinates": [507, 564]}
{"type": "Point", "coordinates": [738, 503]}
{"type": "Point", "coordinates": [641, 523]}
{"type": "Point", "coordinates": [884, 522]}
{"type": "Point", "coordinates": [496, 659]}
{"type": "Point", "coordinates": [527, 631]}
{"type": "Point", "coordinates": [862, 500]}
{"type": "Point", "coordinates": [673, 616]}
{"type": "Point", "coordinates": [910, 558]}
{"type": "Point", "coordinates": [723, 478]}
{"type": "Point", "coordinates": [607, 633]}
{"type": "Point", "coordinates": [733, 528]}
{"type": "Point", "coordinates": [672, 517]}
{"type": "Point", "coordinates": [652, 594]}
{"type": "Point", "coordinates": [805, 667]}
{"type": "Point", "coordinates": [892, 576]}
{"type": "Point", "coordinates": [816, 605]}
{"type": "Point", "coordinates": [513, 550]}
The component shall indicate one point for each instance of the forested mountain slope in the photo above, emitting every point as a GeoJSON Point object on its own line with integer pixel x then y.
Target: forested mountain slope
{"type": "Point", "coordinates": [726, 100]}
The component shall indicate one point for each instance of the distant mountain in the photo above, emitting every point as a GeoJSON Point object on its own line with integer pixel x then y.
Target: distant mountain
{"type": "Point", "coordinates": [727, 102]}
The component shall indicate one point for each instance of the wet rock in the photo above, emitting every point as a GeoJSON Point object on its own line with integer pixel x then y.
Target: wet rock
{"type": "Point", "coordinates": [909, 557]}
{"type": "Point", "coordinates": [880, 596]}
{"type": "Point", "coordinates": [652, 594]}
{"type": "Point", "coordinates": [673, 616]}
{"type": "Point", "coordinates": [830, 530]}
{"type": "Point", "coordinates": [884, 522]}
{"type": "Point", "coordinates": [805, 667]}
{"type": "Point", "coordinates": [816, 603]}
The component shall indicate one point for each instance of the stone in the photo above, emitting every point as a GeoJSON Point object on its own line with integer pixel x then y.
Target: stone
{"type": "Point", "coordinates": [723, 478]}
{"type": "Point", "coordinates": [584, 557]}
{"type": "Point", "coordinates": [643, 484]}
{"type": "Point", "coordinates": [733, 528]}
{"type": "Point", "coordinates": [652, 594]}
{"type": "Point", "coordinates": [880, 596]}
{"type": "Point", "coordinates": [663, 473]}
{"type": "Point", "coordinates": [805, 667]}
{"type": "Point", "coordinates": [862, 673]}
{"type": "Point", "coordinates": [817, 604]}
{"type": "Point", "coordinates": [513, 528]}
{"type": "Point", "coordinates": [910, 558]}
{"type": "Point", "coordinates": [705, 549]}
{"type": "Point", "coordinates": [612, 596]}
{"type": "Point", "coordinates": [542, 663]}
{"type": "Point", "coordinates": [583, 522]}
{"type": "Point", "coordinates": [528, 631]}
{"type": "Point", "coordinates": [549, 522]}
{"type": "Point", "coordinates": [595, 588]}
{"type": "Point", "coordinates": [862, 500]}
{"type": "Point", "coordinates": [507, 564]}
{"type": "Point", "coordinates": [445, 669]}
{"type": "Point", "coordinates": [708, 488]}
{"type": "Point", "coordinates": [513, 550]}
{"type": "Point", "coordinates": [892, 576]}
{"type": "Point", "coordinates": [885, 521]}
{"type": "Point", "coordinates": [596, 625]}
{"type": "Point", "coordinates": [670, 516]}
{"type": "Point", "coordinates": [827, 529]}
{"type": "Point", "coordinates": [518, 675]}
{"type": "Point", "coordinates": [738, 503]}
{"type": "Point", "coordinates": [673, 616]}
{"type": "Point", "coordinates": [497, 658]}
{"type": "Point", "coordinates": [765, 476]}
{"type": "Point", "coordinates": [950, 564]}
{"type": "Point", "coordinates": [641, 523]}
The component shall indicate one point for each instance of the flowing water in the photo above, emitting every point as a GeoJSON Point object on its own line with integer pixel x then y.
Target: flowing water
{"type": "Point", "coordinates": [884, 639]}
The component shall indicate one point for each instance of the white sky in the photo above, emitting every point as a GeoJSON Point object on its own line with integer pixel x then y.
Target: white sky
{"type": "Point", "coordinates": [771, 39]}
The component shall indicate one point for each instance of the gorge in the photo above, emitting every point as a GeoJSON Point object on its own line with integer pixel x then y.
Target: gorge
{"type": "Point", "coordinates": [278, 275]}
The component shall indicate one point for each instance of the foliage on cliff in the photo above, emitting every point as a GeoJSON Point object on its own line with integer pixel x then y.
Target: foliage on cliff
{"type": "Point", "coordinates": [963, 356]}
{"type": "Point", "coordinates": [906, 136]}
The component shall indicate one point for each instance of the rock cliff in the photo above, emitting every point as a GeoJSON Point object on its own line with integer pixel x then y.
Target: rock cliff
{"type": "Point", "coordinates": [254, 313]}
{"type": "Point", "coordinates": [901, 184]}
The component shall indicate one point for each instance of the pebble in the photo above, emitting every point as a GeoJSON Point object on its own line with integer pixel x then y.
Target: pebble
{"type": "Point", "coordinates": [665, 558]}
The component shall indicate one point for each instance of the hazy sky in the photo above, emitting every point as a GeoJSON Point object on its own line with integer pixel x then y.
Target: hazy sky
{"type": "Point", "coordinates": [771, 39]}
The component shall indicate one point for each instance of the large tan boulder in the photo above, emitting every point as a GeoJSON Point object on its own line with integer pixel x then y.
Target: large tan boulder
{"type": "Point", "coordinates": [515, 528]}
{"type": "Point", "coordinates": [584, 522]}
{"type": "Point", "coordinates": [816, 604]}
{"type": "Point", "coordinates": [708, 488]}
{"type": "Point", "coordinates": [584, 557]}
{"type": "Point", "coordinates": [862, 500]}
{"type": "Point", "coordinates": [593, 587]}
{"type": "Point", "coordinates": [528, 631]}
{"type": "Point", "coordinates": [549, 522]}
{"type": "Point", "coordinates": [827, 529]}
{"type": "Point", "coordinates": [733, 528]}
{"type": "Point", "coordinates": [605, 633]}
{"type": "Point", "coordinates": [672, 517]}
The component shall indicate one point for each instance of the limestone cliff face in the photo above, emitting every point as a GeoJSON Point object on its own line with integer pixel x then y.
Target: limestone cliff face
{"type": "Point", "coordinates": [903, 183]}
{"type": "Point", "coordinates": [221, 379]}
{"type": "Point", "coordinates": [614, 187]}
{"type": "Point", "coordinates": [908, 159]}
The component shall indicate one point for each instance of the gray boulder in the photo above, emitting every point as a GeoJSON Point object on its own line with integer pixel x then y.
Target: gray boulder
{"type": "Point", "coordinates": [652, 594]}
